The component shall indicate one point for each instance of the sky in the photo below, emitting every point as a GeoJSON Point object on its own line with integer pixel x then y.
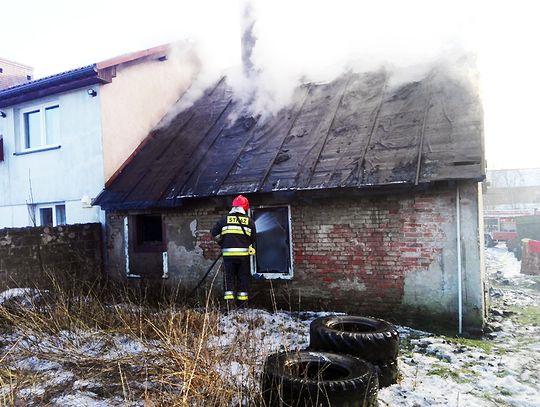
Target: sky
{"type": "Point", "coordinates": [300, 38]}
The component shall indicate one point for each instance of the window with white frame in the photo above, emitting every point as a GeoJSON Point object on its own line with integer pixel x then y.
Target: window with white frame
{"type": "Point", "coordinates": [273, 258]}
{"type": "Point", "coordinates": [51, 215]}
{"type": "Point", "coordinates": [40, 126]}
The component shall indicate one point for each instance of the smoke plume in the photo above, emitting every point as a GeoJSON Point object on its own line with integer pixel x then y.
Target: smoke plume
{"type": "Point", "coordinates": [281, 44]}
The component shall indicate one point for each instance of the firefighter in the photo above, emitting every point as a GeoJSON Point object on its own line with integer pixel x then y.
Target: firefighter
{"type": "Point", "coordinates": [235, 233]}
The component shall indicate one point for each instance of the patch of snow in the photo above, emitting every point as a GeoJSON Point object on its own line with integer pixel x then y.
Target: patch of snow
{"type": "Point", "coordinates": [79, 399]}
{"type": "Point", "coordinates": [435, 370]}
{"type": "Point", "coordinates": [26, 296]}
{"type": "Point", "coordinates": [36, 364]}
{"type": "Point", "coordinates": [86, 385]}
{"type": "Point", "coordinates": [123, 345]}
{"type": "Point", "coordinates": [500, 260]}
{"type": "Point", "coordinates": [32, 391]}
{"type": "Point", "coordinates": [60, 378]}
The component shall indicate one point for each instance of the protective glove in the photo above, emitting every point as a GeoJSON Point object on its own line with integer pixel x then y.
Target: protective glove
{"type": "Point", "coordinates": [251, 251]}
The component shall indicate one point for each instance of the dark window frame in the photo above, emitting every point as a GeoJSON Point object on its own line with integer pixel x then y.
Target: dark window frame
{"type": "Point", "coordinates": [142, 246]}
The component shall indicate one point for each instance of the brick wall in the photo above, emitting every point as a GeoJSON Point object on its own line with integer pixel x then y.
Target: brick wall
{"type": "Point", "coordinates": [355, 254]}
{"type": "Point", "coordinates": [390, 256]}
{"type": "Point", "coordinates": [13, 73]}
{"type": "Point", "coordinates": [29, 255]}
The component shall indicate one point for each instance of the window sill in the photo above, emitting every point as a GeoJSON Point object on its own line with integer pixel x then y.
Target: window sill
{"type": "Point", "coordinates": [272, 276]}
{"type": "Point", "coordinates": [38, 149]}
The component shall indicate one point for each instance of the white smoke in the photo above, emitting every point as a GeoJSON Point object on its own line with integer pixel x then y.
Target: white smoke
{"type": "Point", "coordinates": [316, 41]}
{"type": "Point", "coordinates": [309, 40]}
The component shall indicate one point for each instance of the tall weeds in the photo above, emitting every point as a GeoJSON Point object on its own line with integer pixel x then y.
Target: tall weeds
{"type": "Point", "coordinates": [164, 354]}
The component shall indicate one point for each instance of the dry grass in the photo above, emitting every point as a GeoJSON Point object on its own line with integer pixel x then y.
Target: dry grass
{"type": "Point", "coordinates": [176, 361]}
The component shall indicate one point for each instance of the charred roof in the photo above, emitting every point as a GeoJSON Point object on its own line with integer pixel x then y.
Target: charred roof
{"type": "Point", "coordinates": [355, 132]}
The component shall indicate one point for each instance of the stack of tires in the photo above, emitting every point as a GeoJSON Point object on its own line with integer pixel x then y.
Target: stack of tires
{"type": "Point", "coordinates": [347, 361]}
{"type": "Point", "coordinates": [371, 339]}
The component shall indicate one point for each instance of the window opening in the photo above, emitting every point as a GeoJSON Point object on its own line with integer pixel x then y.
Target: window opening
{"type": "Point", "coordinates": [273, 258]}
{"type": "Point", "coordinates": [149, 233]}
{"type": "Point", "coordinates": [40, 126]}
{"type": "Point", "coordinates": [32, 129]}
{"type": "Point", "coordinates": [60, 214]}
{"type": "Point", "coordinates": [52, 215]}
{"type": "Point", "coordinates": [52, 124]}
{"type": "Point", "coordinates": [46, 216]}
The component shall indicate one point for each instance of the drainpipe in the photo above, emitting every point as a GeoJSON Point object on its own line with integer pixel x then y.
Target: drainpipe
{"type": "Point", "coordinates": [458, 239]}
{"type": "Point", "coordinates": [126, 246]}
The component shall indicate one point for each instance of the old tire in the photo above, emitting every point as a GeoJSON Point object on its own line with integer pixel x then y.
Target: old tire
{"type": "Point", "coordinates": [318, 379]}
{"type": "Point", "coordinates": [387, 373]}
{"type": "Point", "coordinates": [374, 340]}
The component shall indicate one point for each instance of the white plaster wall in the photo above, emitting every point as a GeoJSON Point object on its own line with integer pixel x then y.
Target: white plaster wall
{"type": "Point", "coordinates": [472, 253]}
{"type": "Point", "coordinates": [436, 288]}
{"type": "Point", "coordinates": [136, 100]}
{"type": "Point", "coordinates": [61, 175]}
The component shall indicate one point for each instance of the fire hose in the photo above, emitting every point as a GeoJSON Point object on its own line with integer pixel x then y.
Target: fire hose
{"type": "Point", "coordinates": [206, 274]}
{"type": "Point", "coordinates": [251, 253]}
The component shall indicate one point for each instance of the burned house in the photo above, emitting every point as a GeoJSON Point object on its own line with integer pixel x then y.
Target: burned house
{"type": "Point", "coordinates": [366, 197]}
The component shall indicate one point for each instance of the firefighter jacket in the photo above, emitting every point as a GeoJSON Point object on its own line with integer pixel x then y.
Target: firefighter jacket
{"type": "Point", "coordinates": [235, 232]}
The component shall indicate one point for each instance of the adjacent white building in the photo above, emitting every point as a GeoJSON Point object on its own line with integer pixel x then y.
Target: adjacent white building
{"type": "Point", "coordinates": [62, 137]}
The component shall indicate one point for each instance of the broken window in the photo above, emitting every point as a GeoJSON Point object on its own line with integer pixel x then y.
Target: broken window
{"type": "Point", "coordinates": [274, 249]}
{"type": "Point", "coordinates": [149, 233]}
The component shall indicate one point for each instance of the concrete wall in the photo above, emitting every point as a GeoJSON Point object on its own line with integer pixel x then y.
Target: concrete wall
{"type": "Point", "coordinates": [392, 256]}
{"type": "Point", "coordinates": [138, 97]}
{"type": "Point", "coordinates": [28, 256]}
{"type": "Point", "coordinates": [530, 260]}
{"type": "Point", "coordinates": [62, 175]}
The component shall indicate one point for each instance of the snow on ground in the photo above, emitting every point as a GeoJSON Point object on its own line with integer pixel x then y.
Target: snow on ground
{"type": "Point", "coordinates": [435, 370]}
{"type": "Point", "coordinates": [503, 371]}
{"type": "Point", "coordinates": [23, 295]}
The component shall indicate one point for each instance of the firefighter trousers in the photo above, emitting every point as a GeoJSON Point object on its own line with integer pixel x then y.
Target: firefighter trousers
{"type": "Point", "coordinates": [237, 276]}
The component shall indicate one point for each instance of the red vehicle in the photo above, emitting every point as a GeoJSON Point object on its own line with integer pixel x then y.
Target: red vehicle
{"type": "Point", "coordinates": [501, 225]}
{"type": "Point", "coordinates": [503, 236]}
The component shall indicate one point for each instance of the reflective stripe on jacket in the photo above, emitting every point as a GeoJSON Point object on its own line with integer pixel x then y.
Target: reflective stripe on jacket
{"type": "Point", "coordinates": [235, 232]}
{"type": "Point", "coordinates": [235, 251]}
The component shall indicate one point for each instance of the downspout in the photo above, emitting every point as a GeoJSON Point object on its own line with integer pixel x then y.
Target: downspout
{"type": "Point", "coordinates": [126, 246]}
{"type": "Point", "coordinates": [458, 240]}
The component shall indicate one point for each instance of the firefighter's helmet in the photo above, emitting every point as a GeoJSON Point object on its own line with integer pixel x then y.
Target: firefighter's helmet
{"type": "Point", "coordinates": [242, 201]}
